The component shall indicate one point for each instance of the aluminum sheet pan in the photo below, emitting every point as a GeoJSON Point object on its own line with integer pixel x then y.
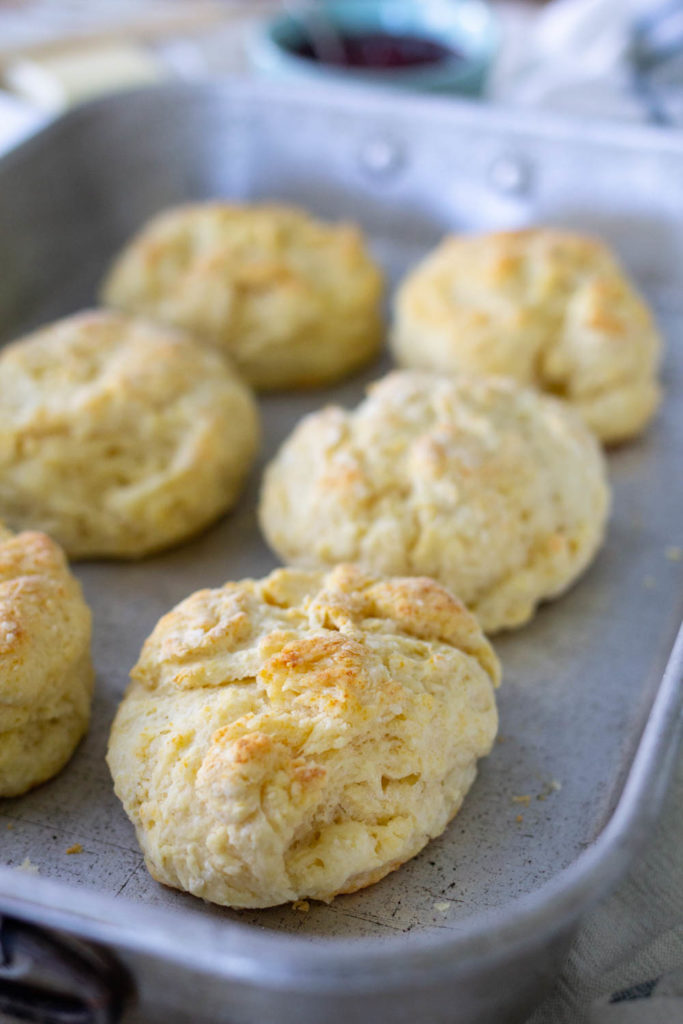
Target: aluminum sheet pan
{"type": "Point", "coordinates": [580, 681]}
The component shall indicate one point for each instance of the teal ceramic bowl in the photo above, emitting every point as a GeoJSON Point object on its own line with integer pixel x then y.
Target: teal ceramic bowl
{"type": "Point", "coordinates": [465, 32]}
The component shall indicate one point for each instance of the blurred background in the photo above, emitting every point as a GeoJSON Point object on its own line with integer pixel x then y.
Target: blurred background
{"type": "Point", "coordinates": [614, 59]}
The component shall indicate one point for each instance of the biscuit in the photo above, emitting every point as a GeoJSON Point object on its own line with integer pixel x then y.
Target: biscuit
{"type": "Point", "coordinates": [46, 674]}
{"type": "Point", "coordinates": [119, 437]}
{"type": "Point", "coordinates": [498, 492]}
{"type": "Point", "coordinates": [293, 300]}
{"type": "Point", "coordinates": [551, 309]}
{"type": "Point", "coordinates": [302, 735]}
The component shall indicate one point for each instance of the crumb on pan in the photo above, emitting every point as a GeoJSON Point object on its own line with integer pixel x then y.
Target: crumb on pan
{"type": "Point", "coordinates": [76, 848]}
{"type": "Point", "coordinates": [551, 787]}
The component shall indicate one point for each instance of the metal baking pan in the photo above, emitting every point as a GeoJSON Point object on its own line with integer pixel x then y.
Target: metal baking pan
{"type": "Point", "coordinates": [473, 929]}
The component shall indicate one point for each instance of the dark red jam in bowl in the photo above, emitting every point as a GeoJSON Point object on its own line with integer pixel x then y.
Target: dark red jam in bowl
{"type": "Point", "coordinates": [374, 50]}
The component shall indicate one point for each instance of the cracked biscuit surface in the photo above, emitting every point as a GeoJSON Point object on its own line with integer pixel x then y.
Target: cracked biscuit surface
{"type": "Point", "coordinates": [46, 674]}
{"type": "Point", "coordinates": [549, 308]}
{"type": "Point", "coordinates": [301, 735]}
{"type": "Point", "coordinates": [294, 301]}
{"type": "Point", "coordinates": [119, 437]}
{"type": "Point", "coordinates": [498, 492]}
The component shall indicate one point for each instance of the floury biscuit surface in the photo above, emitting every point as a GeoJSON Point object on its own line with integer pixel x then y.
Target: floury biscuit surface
{"type": "Point", "coordinates": [46, 674]}
{"type": "Point", "coordinates": [293, 300]}
{"type": "Point", "coordinates": [301, 735]}
{"type": "Point", "coordinates": [549, 308]}
{"type": "Point", "coordinates": [119, 437]}
{"type": "Point", "coordinates": [499, 493]}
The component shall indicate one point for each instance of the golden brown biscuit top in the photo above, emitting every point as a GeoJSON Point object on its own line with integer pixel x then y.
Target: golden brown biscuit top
{"type": "Point", "coordinates": [119, 436]}
{"type": "Point", "coordinates": [497, 491]}
{"type": "Point", "coordinates": [417, 431]}
{"type": "Point", "coordinates": [302, 623]}
{"type": "Point", "coordinates": [547, 307]}
{"type": "Point", "coordinates": [99, 357]}
{"type": "Point", "coordinates": [250, 248]}
{"type": "Point", "coordinates": [301, 734]}
{"type": "Point", "coordinates": [129, 400]}
{"type": "Point", "coordinates": [536, 267]}
{"type": "Point", "coordinates": [44, 622]}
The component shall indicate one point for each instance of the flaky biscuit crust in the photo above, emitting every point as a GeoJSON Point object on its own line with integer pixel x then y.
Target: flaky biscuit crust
{"type": "Point", "coordinates": [294, 301]}
{"type": "Point", "coordinates": [118, 437]}
{"type": "Point", "coordinates": [301, 735]}
{"type": "Point", "coordinates": [549, 308]}
{"type": "Point", "coordinates": [46, 674]}
{"type": "Point", "coordinates": [498, 492]}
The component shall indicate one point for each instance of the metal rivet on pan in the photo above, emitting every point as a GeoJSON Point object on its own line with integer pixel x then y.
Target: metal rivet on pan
{"type": "Point", "coordinates": [510, 175]}
{"type": "Point", "coordinates": [381, 156]}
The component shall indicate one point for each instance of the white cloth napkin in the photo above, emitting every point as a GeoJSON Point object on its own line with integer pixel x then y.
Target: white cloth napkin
{"type": "Point", "coordinates": [626, 965]}
{"type": "Point", "coordinates": [573, 57]}
{"type": "Point", "coordinates": [17, 121]}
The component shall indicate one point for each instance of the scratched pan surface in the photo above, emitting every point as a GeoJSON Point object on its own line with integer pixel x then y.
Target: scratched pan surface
{"type": "Point", "coordinates": [580, 681]}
